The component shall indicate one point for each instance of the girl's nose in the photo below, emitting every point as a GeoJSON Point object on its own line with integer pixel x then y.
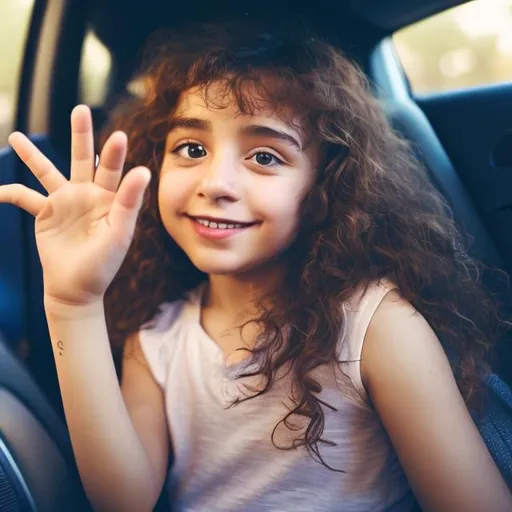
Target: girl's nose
{"type": "Point", "coordinates": [220, 180]}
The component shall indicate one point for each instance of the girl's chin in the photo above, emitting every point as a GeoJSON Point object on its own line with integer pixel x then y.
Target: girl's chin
{"type": "Point", "coordinates": [223, 270]}
{"type": "Point", "coordinates": [237, 269]}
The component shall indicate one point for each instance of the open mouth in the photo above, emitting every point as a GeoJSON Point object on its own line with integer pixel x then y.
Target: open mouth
{"type": "Point", "coordinates": [221, 223]}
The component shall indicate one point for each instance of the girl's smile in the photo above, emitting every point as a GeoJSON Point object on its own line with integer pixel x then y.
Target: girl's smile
{"type": "Point", "coordinates": [214, 228]}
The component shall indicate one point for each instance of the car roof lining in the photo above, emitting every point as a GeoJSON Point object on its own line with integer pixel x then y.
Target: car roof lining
{"type": "Point", "coordinates": [134, 24]}
{"type": "Point", "coordinates": [354, 25]}
{"type": "Point", "coordinates": [391, 15]}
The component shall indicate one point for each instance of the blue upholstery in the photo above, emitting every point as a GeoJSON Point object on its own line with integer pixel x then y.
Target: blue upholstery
{"type": "Point", "coordinates": [495, 425]}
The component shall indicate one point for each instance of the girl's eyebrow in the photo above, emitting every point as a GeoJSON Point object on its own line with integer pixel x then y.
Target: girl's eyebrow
{"type": "Point", "coordinates": [254, 130]}
{"type": "Point", "coordinates": [257, 130]}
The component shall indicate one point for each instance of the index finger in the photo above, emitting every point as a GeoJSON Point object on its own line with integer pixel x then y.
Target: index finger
{"type": "Point", "coordinates": [42, 168]}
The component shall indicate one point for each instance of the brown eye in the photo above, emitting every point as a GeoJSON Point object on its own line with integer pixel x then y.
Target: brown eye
{"type": "Point", "coordinates": [192, 150]}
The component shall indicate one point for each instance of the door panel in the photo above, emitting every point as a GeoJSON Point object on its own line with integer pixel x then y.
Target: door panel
{"type": "Point", "coordinates": [455, 135]}
{"type": "Point", "coordinates": [15, 20]}
{"type": "Point", "coordinates": [472, 125]}
{"type": "Point", "coordinates": [11, 260]}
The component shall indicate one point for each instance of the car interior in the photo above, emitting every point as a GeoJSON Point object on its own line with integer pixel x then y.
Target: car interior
{"type": "Point", "coordinates": [462, 137]}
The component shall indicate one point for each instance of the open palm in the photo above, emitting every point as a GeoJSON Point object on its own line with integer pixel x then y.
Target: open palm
{"type": "Point", "coordinates": [84, 226]}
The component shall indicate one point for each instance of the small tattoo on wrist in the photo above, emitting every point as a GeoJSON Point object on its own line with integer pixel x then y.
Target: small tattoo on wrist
{"type": "Point", "coordinates": [60, 345]}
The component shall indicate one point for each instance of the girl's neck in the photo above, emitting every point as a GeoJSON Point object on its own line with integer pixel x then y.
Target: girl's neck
{"type": "Point", "coordinates": [232, 301]}
{"type": "Point", "coordinates": [238, 294]}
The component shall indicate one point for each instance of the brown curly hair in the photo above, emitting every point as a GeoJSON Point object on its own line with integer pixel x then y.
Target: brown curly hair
{"type": "Point", "coordinates": [371, 214]}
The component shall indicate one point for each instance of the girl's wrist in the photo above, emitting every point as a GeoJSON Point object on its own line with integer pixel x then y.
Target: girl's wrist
{"type": "Point", "coordinates": [60, 310]}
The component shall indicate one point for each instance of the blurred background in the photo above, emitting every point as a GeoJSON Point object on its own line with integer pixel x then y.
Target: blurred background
{"type": "Point", "coordinates": [95, 64]}
{"type": "Point", "coordinates": [467, 46]}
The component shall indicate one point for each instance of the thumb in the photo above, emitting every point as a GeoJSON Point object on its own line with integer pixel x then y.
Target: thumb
{"type": "Point", "coordinates": [128, 200]}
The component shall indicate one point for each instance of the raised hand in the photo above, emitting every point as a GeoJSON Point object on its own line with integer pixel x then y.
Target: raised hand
{"type": "Point", "coordinates": [84, 226]}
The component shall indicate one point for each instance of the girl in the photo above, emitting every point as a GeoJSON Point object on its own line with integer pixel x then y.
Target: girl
{"type": "Point", "coordinates": [279, 298]}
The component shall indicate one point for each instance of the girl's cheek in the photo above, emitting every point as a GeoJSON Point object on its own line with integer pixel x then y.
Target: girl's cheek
{"type": "Point", "coordinates": [279, 196]}
{"type": "Point", "coordinates": [175, 186]}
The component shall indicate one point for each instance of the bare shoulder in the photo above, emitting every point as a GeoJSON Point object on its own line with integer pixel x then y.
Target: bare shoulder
{"type": "Point", "coordinates": [398, 330]}
{"type": "Point", "coordinates": [402, 351]}
{"type": "Point", "coordinates": [413, 390]}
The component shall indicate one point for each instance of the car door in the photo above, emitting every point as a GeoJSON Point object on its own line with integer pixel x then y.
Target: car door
{"type": "Point", "coordinates": [37, 469]}
{"type": "Point", "coordinates": [15, 18]}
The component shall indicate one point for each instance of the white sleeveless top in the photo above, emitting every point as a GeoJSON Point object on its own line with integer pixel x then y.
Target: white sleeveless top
{"type": "Point", "coordinates": [224, 457]}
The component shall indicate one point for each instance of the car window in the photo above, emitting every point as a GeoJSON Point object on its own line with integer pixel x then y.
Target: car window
{"type": "Point", "coordinates": [467, 46]}
{"type": "Point", "coordinates": [14, 23]}
{"type": "Point", "coordinates": [95, 71]}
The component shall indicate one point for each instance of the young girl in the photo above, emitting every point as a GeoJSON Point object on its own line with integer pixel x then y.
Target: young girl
{"type": "Point", "coordinates": [278, 274]}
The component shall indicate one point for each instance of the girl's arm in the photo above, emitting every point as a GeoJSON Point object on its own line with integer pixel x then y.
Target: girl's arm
{"type": "Point", "coordinates": [412, 387]}
{"type": "Point", "coordinates": [120, 446]}
{"type": "Point", "coordinates": [84, 228]}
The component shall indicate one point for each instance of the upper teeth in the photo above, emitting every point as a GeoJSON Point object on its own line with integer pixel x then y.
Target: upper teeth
{"type": "Point", "coordinates": [218, 225]}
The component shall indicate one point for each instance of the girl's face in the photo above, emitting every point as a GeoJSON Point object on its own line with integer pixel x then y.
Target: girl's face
{"type": "Point", "coordinates": [231, 185]}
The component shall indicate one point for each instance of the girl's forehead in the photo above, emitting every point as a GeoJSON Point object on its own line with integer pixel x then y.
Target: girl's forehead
{"type": "Point", "coordinates": [217, 104]}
